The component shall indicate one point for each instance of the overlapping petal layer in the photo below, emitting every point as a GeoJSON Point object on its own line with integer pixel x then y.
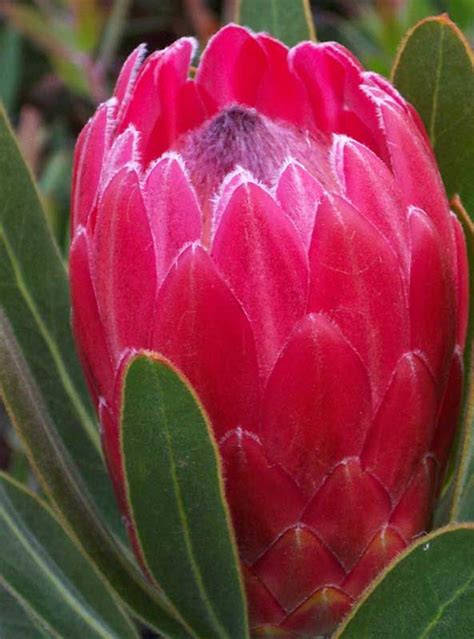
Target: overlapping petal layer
{"type": "Point", "coordinates": [276, 226]}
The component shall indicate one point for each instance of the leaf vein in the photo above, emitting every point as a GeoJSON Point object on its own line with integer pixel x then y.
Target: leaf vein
{"type": "Point", "coordinates": [59, 586]}
{"type": "Point", "coordinates": [434, 108]}
{"type": "Point", "coordinates": [439, 615]}
{"type": "Point", "coordinates": [186, 534]}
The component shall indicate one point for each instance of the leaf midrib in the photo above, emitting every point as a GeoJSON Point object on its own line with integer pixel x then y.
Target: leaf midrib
{"type": "Point", "coordinates": [434, 106]}
{"type": "Point", "coordinates": [443, 607]}
{"type": "Point", "coordinates": [59, 586]}
{"type": "Point", "coordinates": [34, 615]}
{"type": "Point", "coordinates": [183, 517]}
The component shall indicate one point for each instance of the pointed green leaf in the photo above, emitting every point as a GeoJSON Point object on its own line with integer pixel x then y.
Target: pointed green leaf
{"type": "Point", "coordinates": [290, 21]}
{"type": "Point", "coordinates": [46, 571]}
{"type": "Point", "coordinates": [427, 592]}
{"type": "Point", "coordinates": [53, 467]}
{"type": "Point", "coordinates": [16, 621]}
{"type": "Point", "coordinates": [434, 71]}
{"type": "Point", "coordinates": [176, 499]}
{"type": "Point", "coordinates": [34, 296]}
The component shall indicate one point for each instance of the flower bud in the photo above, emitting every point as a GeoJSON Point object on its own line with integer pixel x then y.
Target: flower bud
{"type": "Point", "coordinates": [276, 226]}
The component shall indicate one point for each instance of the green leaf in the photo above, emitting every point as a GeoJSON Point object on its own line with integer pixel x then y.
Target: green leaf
{"type": "Point", "coordinates": [176, 499]}
{"type": "Point", "coordinates": [290, 21]}
{"type": "Point", "coordinates": [35, 298]}
{"type": "Point", "coordinates": [45, 570]}
{"type": "Point", "coordinates": [17, 622]}
{"type": "Point", "coordinates": [427, 592]}
{"type": "Point", "coordinates": [434, 71]}
{"type": "Point", "coordinates": [51, 462]}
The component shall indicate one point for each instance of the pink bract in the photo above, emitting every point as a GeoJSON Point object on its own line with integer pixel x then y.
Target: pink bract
{"type": "Point", "coordinates": [277, 227]}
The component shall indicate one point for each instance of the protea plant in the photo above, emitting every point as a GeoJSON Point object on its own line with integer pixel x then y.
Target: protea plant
{"type": "Point", "coordinates": [276, 227]}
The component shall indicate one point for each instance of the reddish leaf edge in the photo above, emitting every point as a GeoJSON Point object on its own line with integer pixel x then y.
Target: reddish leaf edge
{"type": "Point", "coordinates": [443, 20]}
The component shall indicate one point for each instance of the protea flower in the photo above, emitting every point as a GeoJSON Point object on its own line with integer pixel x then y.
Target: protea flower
{"type": "Point", "coordinates": [276, 226]}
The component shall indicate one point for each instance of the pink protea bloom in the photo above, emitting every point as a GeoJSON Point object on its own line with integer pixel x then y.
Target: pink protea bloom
{"type": "Point", "coordinates": [276, 226]}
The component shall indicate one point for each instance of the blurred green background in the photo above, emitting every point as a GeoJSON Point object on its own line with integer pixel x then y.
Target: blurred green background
{"type": "Point", "coordinates": [59, 59]}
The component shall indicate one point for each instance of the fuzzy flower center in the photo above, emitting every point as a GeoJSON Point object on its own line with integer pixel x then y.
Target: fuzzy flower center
{"type": "Point", "coordinates": [239, 136]}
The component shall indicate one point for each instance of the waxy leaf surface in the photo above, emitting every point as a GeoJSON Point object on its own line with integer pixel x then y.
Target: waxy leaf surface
{"type": "Point", "coordinates": [49, 575]}
{"type": "Point", "coordinates": [15, 621]}
{"type": "Point", "coordinates": [53, 468]}
{"type": "Point", "coordinates": [34, 297]}
{"type": "Point", "coordinates": [427, 592]}
{"type": "Point", "coordinates": [435, 72]}
{"type": "Point", "coordinates": [176, 500]}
